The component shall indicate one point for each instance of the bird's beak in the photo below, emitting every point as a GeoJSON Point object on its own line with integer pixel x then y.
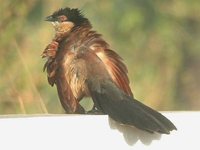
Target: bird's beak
{"type": "Point", "coordinates": [50, 18]}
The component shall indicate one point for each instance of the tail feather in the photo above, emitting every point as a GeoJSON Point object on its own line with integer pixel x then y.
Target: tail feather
{"type": "Point", "coordinates": [170, 126]}
{"type": "Point", "coordinates": [122, 108]}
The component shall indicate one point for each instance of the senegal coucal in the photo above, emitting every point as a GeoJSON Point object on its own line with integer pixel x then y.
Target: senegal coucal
{"type": "Point", "coordinates": [81, 64]}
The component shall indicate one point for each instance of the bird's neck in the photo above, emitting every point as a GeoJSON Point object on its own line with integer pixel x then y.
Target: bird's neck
{"type": "Point", "coordinates": [78, 31]}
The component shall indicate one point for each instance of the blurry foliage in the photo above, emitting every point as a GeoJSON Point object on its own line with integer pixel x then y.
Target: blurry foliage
{"type": "Point", "coordinates": [159, 41]}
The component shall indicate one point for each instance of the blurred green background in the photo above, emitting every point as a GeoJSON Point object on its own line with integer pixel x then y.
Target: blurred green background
{"type": "Point", "coordinates": [159, 41]}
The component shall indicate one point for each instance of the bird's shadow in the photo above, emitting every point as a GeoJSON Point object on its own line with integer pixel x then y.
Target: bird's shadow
{"type": "Point", "coordinates": [132, 134]}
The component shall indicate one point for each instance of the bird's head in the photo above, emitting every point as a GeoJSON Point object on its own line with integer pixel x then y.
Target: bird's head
{"type": "Point", "coordinates": [67, 18]}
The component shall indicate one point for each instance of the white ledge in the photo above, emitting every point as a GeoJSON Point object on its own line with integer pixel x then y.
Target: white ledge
{"type": "Point", "coordinates": [94, 132]}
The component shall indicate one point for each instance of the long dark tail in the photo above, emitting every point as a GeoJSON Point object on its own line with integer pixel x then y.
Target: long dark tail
{"type": "Point", "coordinates": [112, 101]}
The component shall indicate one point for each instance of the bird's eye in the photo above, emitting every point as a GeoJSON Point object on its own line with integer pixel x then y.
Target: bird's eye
{"type": "Point", "coordinates": [62, 18]}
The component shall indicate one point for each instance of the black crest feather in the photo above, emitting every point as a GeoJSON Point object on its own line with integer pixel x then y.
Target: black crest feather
{"type": "Point", "coordinates": [73, 14]}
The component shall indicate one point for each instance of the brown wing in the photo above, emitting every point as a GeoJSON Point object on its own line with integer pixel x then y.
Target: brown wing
{"type": "Point", "coordinates": [114, 65]}
{"type": "Point", "coordinates": [58, 77]}
{"type": "Point", "coordinates": [67, 99]}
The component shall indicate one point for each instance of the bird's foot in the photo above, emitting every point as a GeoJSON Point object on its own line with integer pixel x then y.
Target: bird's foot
{"type": "Point", "coordinates": [94, 111]}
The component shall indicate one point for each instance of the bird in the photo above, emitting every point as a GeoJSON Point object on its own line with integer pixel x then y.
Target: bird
{"type": "Point", "coordinates": [81, 64]}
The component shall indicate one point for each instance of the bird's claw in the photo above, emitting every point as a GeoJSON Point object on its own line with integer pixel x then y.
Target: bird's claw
{"type": "Point", "coordinates": [94, 112]}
